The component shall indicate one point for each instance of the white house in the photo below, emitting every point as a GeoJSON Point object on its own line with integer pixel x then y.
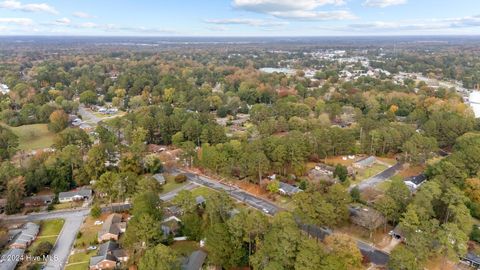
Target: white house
{"type": "Point", "coordinates": [79, 195]}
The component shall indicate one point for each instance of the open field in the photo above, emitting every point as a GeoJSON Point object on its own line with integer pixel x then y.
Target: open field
{"type": "Point", "coordinates": [32, 137]}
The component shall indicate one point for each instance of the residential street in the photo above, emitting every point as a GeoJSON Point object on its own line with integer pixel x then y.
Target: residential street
{"type": "Point", "coordinates": [374, 255]}
{"type": "Point", "coordinates": [87, 116]}
{"type": "Point", "coordinates": [61, 250]}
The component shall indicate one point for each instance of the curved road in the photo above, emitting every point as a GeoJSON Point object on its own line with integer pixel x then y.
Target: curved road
{"type": "Point", "coordinates": [374, 255]}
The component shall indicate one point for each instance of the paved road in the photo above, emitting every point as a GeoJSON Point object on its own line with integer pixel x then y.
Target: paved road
{"type": "Point", "coordinates": [87, 116]}
{"type": "Point", "coordinates": [374, 255]}
{"type": "Point", "coordinates": [235, 192]}
{"type": "Point", "coordinates": [377, 179]}
{"type": "Point", "coordinates": [65, 240]}
{"type": "Point", "coordinates": [170, 195]}
{"type": "Point", "coordinates": [61, 250]}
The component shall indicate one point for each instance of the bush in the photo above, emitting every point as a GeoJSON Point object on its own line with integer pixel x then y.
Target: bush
{"type": "Point", "coordinates": [43, 249]}
{"type": "Point", "coordinates": [96, 211]}
{"type": "Point", "coordinates": [180, 178]}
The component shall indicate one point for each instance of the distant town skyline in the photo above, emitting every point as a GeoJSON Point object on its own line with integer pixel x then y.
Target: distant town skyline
{"type": "Point", "coordinates": [239, 17]}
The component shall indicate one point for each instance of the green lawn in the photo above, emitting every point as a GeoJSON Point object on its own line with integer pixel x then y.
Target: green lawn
{"type": "Point", "coordinates": [33, 137]}
{"type": "Point", "coordinates": [171, 184]}
{"type": "Point", "coordinates": [202, 191]}
{"type": "Point", "coordinates": [67, 205]}
{"type": "Point", "coordinates": [49, 231]}
{"type": "Point", "coordinates": [79, 266]}
{"type": "Point", "coordinates": [185, 248]}
{"type": "Point", "coordinates": [372, 171]}
{"type": "Point", "coordinates": [81, 257]}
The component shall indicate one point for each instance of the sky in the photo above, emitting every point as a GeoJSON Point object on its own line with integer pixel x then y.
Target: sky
{"type": "Point", "coordinates": [239, 17]}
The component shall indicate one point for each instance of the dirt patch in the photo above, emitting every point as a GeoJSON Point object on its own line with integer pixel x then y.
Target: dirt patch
{"type": "Point", "coordinates": [379, 238]}
{"type": "Point", "coordinates": [251, 188]}
{"type": "Point", "coordinates": [332, 161]}
{"type": "Point", "coordinates": [409, 171]}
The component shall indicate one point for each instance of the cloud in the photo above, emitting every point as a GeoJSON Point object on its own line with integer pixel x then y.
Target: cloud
{"type": "Point", "coordinates": [218, 28]}
{"type": "Point", "coordinates": [63, 21]}
{"type": "Point", "coordinates": [83, 15]}
{"type": "Point", "coordinates": [411, 25]}
{"type": "Point", "coordinates": [269, 6]}
{"type": "Point", "coordinates": [296, 9]}
{"type": "Point", "coordinates": [316, 15]}
{"type": "Point", "coordinates": [87, 25]}
{"type": "Point", "coordinates": [383, 3]}
{"type": "Point", "coordinates": [34, 7]}
{"type": "Point", "coordinates": [17, 21]}
{"type": "Point", "coordinates": [242, 21]}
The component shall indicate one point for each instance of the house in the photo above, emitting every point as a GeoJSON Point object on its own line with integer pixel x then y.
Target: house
{"type": "Point", "coordinates": [25, 237]}
{"type": "Point", "coordinates": [366, 217]}
{"type": "Point", "coordinates": [365, 163]}
{"type": "Point", "coordinates": [171, 225]}
{"type": "Point", "coordinates": [78, 195]}
{"type": "Point", "coordinates": [160, 179]}
{"type": "Point", "coordinates": [472, 260]}
{"type": "Point", "coordinates": [112, 228]}
{"type": "Point", "coordinates": [7, 259]}
{"type": "Point", "coordinates": [288, 190]}
{"type": "Point", "coordinates": [195, 261]}
{"type": "Point", "coordinates": [414, 182]}
{"type": "Point", "coordinates": [40, 200]}
{"type": "Point", "coordinates": [109, 255]}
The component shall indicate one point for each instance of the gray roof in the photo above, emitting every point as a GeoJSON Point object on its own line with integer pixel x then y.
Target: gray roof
{"type": "Point", "coordinates": [86, 192]}
{"type": "Point", "coordinates": [111, 225]}
{"type": "Point", "coordinates": [289, 189]}
{"type": "Point", "coordinates": [417, 180]}
{"type": "Point", "coordinates": [105, 252]}
{"type": "Point", "coordinates": [366, 161]}
{"type": "Point", "coordinates": [28, 234]}
{"type": "Point", "coordinates": [159, 177]}
{"type": "Point", "coordinates": [9, 264]}
{"type": "Point", "coordinates": [195, 260]}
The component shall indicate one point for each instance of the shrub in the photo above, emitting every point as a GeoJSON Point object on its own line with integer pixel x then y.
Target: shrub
{"type": "Point", "coordinates": [43, 249]}
{"type": "Point", "coordinates": [180, 178]}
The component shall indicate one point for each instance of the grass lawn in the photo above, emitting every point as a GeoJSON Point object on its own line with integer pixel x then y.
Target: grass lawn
{"type": "Point", "coordinates": [33, 137]}
{"type": "Point", "coordinates": [171, 184]}
{"type": "Point", "coordinates": [67, 205]}
{"type": "Point", "coordinates": [81, 257]}
{"type": "Point", "coordinates": [185, 248]}
{"type": "Point", "coordinates": [202, 191]}
{"type": "Point", "coordinates": [78, 266]}
{"type": "Point", "coordinates": [49, 231]}
{"type": "Point", "coordinates": [372, 171]}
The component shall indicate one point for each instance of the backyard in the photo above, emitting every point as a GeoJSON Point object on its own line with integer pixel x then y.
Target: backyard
{"type": "Point", "coordinates": [32, 137]}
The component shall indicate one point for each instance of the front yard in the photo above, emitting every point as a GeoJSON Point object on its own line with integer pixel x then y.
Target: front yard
{"type": "Point", "coordinates": [49, 231]}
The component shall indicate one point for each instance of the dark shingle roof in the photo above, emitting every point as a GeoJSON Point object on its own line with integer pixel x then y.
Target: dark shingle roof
{"type": "Point", "coordinates": [195, 260]}
{"type": "Point", "coordinates": [110, 225]}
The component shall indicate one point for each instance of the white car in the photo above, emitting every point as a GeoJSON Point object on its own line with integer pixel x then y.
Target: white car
{"type": "Point", "coordinates": [265, 210]}
{"type": "Point", "coordinates": [92, 248]}
{"type": "Point", "coordinates": [98, 222]}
